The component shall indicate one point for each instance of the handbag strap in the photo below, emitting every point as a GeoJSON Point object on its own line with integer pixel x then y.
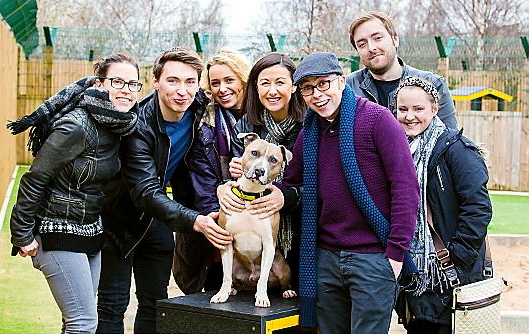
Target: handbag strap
{"type": "Point", "coordinates": [443, 255]}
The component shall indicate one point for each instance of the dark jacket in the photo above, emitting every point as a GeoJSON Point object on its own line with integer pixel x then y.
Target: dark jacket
{"type": "Point", "coordinates": [244, 126]}
{"type": "Point", "coordinates": [138, 194]}
{"type": "Point", "coordinates": [62, 191]}
{"type": "Point", "coordinates": [205, 166]}
{"type": "Point", "coordinates": [362, 83]}
{"type": "Point", "coordinates": [194, 252]}
{"type": "Point", "coordinates": [461, 210]}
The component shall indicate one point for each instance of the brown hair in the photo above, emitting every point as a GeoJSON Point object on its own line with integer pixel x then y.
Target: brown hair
{"type": "Point", "coordinates": [251, 104]}
{"type": "Point", "coordinates": [372, 15]}
{"type": "Point", "coordinates": [101, 66]}
{"type": "Point", "coordinates": [179, 54]}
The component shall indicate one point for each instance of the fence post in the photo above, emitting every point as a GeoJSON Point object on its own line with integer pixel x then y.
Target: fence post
{"type": "Point", "coordinates": [271, 42]}
{"type": "Point", "coordinates": [47, 58]}
{"type": "Point", "coordinates": [443, 62]}
{"type": "Point", "coordinates": [198, 44]}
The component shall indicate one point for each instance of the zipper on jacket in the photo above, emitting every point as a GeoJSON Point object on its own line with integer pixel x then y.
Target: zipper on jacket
{"type": "Point", "coordinates": [440, 177]}
{"type": "Point", "coordinates": [67, 201]}
{"type": "Point", "coordinates": [142, 236]}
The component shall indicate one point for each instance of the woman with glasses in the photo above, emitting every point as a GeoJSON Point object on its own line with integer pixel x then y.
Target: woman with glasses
{"type": "Point", "coordinates": [196, 262]}
{"type": "Point", "coordinates": [75, 138]}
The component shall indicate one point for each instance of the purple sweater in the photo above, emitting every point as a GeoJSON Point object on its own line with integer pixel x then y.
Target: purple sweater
{"type": "Point", "coordinates": [387, 168]}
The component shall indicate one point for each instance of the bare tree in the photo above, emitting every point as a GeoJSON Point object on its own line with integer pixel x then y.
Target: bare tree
{"type": "Point", "coordinates": [135, 25]}
{"type": "Point", "coordinates": [313, 25]}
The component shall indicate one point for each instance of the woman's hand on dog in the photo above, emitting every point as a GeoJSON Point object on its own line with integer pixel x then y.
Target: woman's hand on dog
{"type": "Point", "coordinates": [267, 205]}
{"type": "Point", "coordinates": [229, 202]}
{"type": "Point", "coordinates": [235, 167]}
{"type": "Point", "coordinates": [206, 225]}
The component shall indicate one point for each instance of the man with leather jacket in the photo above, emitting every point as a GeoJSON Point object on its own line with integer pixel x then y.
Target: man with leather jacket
{"type": "Point", "coordinates": [374, 37]}
{"type": "Point", "coordinates": [139, 217]}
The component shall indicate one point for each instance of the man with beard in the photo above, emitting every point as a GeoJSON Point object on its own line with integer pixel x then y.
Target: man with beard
{"type": "Point", "coordinates": [375, 38]}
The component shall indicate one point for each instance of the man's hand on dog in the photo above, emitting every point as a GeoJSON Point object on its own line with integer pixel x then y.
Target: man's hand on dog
{"type": "Point", "coordinates": [265, 206]}
{"type": "Point", "coordinates": [206, 225]}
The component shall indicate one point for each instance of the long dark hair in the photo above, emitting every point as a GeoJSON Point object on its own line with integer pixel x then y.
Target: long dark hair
{"type": "Point", "coordinates": [251, 104]}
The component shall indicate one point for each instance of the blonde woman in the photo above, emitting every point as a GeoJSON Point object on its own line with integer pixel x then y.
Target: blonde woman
{"type": "Point", "coordinates": [196, 262]}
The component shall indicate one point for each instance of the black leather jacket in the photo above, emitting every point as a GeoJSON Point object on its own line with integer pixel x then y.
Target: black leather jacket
{"type": "Point", "coordinates": [138, 194]}
{"type": "Point", "coordinates": [63, 188]}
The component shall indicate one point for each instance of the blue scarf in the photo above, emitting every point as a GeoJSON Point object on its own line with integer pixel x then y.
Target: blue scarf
{"type": "Point", "coordinates": [355, 182]}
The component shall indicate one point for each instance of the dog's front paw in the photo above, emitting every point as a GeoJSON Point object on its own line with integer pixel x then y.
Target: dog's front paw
{"type": "Point", "coordinates": [287, 294]}
{"type": "Point", "coordinates": [220, 297]}
{"type": "Point", "coordinates": [233, 292]}
{"type": "Point", "coordinates": [261, 300]}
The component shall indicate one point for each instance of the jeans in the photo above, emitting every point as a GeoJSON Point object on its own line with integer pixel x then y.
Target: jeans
{"type": "Point", "coordinates": [151, 264]}
{"type": "Point", "coordinates": [72, 278]}
{"type": "Point", "coordinates": [356, 292]}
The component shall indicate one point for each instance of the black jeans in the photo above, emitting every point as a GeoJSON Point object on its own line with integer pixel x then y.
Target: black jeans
{"type": "Point", "coordinates": [151, 264]}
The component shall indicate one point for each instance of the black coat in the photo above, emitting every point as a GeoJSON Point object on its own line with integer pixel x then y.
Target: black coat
{"type": "Point", "coordinates": [138, 194]}
{"type": "Point", "coordinates": [461, 209]}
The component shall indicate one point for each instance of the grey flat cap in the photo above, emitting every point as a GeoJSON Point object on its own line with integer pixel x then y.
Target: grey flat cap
{"type": "Point", "coordinates": [317, 64]}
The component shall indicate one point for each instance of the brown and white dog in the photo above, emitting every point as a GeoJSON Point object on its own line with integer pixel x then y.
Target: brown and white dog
{"type": "Point", "coordinates": [256, 260]}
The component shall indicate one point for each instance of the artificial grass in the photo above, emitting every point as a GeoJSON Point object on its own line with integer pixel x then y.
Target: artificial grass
{"type": "Point", "coordinates": [509, 214]}
{"type": "Point", "coordinates": [27, 306]}
{"type": "Point", "coordinates": [26, 303]}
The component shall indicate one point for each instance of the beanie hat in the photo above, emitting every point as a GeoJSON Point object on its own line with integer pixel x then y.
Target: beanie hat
{"type": "Point", "coordinates": [317, 64]}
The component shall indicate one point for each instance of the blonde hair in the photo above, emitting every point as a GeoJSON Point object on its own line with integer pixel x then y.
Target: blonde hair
{"type": "Point", "coordinates": [237, 62]}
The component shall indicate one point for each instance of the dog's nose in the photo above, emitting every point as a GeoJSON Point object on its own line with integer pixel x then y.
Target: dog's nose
{"type": "Point", "coordinates": [259, 172]}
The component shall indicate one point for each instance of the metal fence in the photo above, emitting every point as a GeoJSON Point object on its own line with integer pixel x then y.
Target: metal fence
{"type": "Point", "coordinates": [67, 55]}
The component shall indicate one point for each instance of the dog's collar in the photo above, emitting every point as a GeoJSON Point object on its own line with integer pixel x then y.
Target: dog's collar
{"type": "Point", "coordinates": [248, 196]}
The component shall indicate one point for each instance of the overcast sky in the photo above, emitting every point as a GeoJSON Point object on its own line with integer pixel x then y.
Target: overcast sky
{"type": "Point", "coordinates": [239, 15]}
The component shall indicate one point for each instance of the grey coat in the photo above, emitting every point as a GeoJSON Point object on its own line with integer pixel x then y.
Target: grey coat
{"type": "Point", "coordinates": [362, 83]}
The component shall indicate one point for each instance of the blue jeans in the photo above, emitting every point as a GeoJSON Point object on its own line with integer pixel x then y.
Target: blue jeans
{"type": "Point", "coordinates": [356, 292]}
{"type": "Point", "coordinates": [72, 278]}
{"type": "Point", "coordinates": [151, 263]}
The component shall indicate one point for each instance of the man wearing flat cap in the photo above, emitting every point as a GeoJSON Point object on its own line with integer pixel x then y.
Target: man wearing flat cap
{"type": "Point", "coordinates": [359, 195]}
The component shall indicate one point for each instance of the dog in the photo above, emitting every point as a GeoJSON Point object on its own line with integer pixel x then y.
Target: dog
{"type": "Point", "coordinates": [252, 259]}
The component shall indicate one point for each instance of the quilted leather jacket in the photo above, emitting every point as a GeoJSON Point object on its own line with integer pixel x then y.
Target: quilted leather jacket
{"type": "Point", "coordinates": [362, 83]}
{"type": "Point", "coordinates": [138, 195]}
{"type": "Point", "coordinates": [61, 196]}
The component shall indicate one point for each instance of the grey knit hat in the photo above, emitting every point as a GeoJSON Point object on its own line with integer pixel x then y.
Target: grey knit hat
{"type": "Point", "coordinates": [317, 64]}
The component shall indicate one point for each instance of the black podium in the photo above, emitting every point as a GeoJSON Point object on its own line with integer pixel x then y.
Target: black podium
{"type": "Point", "coordinates": [194, 314]}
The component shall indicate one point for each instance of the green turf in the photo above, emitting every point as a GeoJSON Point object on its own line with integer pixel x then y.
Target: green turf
{"type": "Point", "coordinates": [27, 306]}
{"type": "Point", "coordinates": [509, 214]}
{"type": "Point", "coordinates": [26, 303]}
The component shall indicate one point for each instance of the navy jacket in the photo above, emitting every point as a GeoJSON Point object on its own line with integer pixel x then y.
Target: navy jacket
{"type": "Point", "coordinates": [461, 209]}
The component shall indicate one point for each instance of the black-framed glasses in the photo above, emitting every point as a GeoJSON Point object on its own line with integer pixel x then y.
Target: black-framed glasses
{"type": "Point", "coordinates": [322, 86]}
{"type": "Point", "coordinates": [118, 83]}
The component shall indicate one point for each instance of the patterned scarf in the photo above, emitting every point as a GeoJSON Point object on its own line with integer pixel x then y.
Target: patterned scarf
{"type": "Point", "coordinates": [379, 224]}
{"type": "Point", "coordinates": [67, 99]}
{"type": "Point", "coordinates": [422, 248]}
{"type": "Point", "coordinates": [276, 134]}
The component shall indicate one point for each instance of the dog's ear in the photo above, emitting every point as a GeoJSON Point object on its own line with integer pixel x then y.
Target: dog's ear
{"type": "Point", "coordinates": [248, 137]}
{"type": "Point", "coordinates": [287, 155]}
